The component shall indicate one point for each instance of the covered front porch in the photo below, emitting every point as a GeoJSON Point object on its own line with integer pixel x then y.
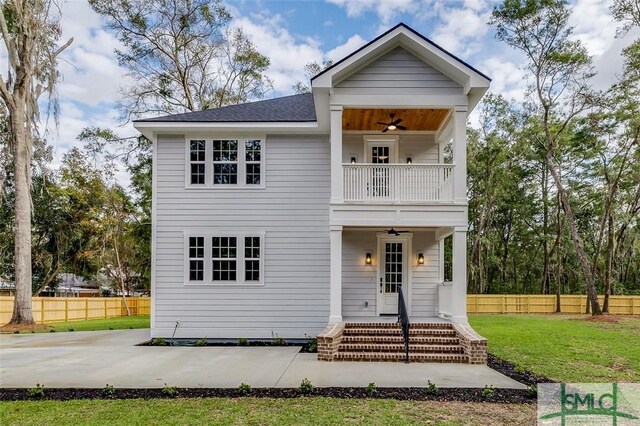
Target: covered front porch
{"type": "Point", "coordinates": [370, 264]}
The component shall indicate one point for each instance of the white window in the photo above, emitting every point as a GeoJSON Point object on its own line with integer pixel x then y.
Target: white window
{"type": "Point", "coordinates": [252, 161]}
{"type": "Point", "coordinates": [252, 258]}
{"type": "Point", "coordinates": [225, 163]}
{"type": "Point", "coordinates": [196, 258]}
{"type": "Point", "coordinates": [197, 161]}
{"type": "Point", "coordinates": [224, 252]}
{"type": "Point", "coordinates": [224, 259]}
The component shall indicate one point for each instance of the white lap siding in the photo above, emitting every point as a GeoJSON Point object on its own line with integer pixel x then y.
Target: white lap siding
{"type": "Point", "coordinates": [292, 212]}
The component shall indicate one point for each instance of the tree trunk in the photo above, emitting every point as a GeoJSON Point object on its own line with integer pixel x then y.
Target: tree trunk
{"type": "Point", "coordinates": [124, 297]}
{"type": "Point", "coordinates": [544, 287]}
{"type": "Point", "coordinates": [558, 258]}
{"type": "Point", "coordinates": [22, 310]}
{"type": "Point", "coordinates": [575, 237]}
{"type": "Point", "coordinates": [608, 265]}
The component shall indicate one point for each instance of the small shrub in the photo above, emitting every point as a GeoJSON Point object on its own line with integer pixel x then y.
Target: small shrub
{"type": "Point", "coordinates": [432, 389]}
{"type": "Point", "coordinates": [312, 345]}
{"type": "Point", "coordinates": [110, 328]}
{"type": "Point", "coordinates": [71, 329]}
{"type": "Point", "coordinates": [37, 391]}
{"type": "Point", "coordinates": [16, 332]}
{"type": "Point", "coordinates": [306, 387]}
{"type": "Point", "coordinates": [278, 341]}
{"type": "Point", "coordinates": [532, 391]}
{"type": "Point", "coordinates": [201, 342]}
{"type": "Point", "coordinates": [488, 392]}
{"type": "Point", "coordinates": [52, 331]}
{"type": "Point", "coordinates": [243, 341]}
{"type": "Point", "coordinates": [244, 389]}
{"type": "Point", "coordinates": [108, 390]}
{"type": "Point", "coordinates": [158, 341]}
{"type": "Point", "coordinates": [372, 389]}
{"type": "Point", "coordinates": [169, 390]}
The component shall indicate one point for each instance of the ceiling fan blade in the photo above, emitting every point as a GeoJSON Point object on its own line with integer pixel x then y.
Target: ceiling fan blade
{"type": "Point", "coordinates": [399, 120]}
{"type": "Point", "coordinates": [380, 122]}
{"type": "Point", "coordinates": [401, 127]}
{"type": "Point", "coordinates": [386, 129]}
{"type": "Point", "coordinates": [402, 232]}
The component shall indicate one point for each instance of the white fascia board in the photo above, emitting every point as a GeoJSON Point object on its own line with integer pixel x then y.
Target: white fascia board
{"type": "Point", "coordinates": [155, 127]}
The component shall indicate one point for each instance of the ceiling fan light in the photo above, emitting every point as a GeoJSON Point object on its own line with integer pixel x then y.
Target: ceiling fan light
{"type": "Point", "coordinates": [391, 127]}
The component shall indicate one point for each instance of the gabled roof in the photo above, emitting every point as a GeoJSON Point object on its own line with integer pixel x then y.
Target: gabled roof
{"type": "Point", "coordinates": [294, 108]}
{"type": "Point", "coordinates": [405, 26]}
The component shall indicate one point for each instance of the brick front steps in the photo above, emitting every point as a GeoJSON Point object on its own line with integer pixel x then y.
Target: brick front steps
{"type": "Point", "coordinates": [428, 342]}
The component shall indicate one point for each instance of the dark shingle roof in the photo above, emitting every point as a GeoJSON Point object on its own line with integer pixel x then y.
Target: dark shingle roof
{"type": "Point", "coordinates": [296, 108]}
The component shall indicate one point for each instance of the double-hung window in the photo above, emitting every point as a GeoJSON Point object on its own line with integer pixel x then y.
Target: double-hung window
{"type": "Point", "coordinates": [197, 161]}
{"type": "Point", "coordinates": [224, 259]}
{"type": "Point", "coordinates": [226, 163]}
{"type": "Point", "coordinates": [224, 253]}
{"type": "Point", "coordinates": [196, 258]}
{"type": "Point", "coordinates": [252, 150]}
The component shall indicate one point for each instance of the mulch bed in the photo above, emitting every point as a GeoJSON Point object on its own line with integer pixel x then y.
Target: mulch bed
{"type": "Point", "coordinates": [510, 370]}
{"type": "Point", "coordinates": [418, 394]}
{"type": "Point", "coordinates": [497, 395]}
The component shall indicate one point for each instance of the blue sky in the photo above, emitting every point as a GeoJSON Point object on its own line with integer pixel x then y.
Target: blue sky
{"type": "Point", "coordinates": [293, 33]}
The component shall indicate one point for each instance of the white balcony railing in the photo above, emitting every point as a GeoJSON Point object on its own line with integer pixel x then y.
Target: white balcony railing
{"type": "Point", "coordinates": [398, 182]}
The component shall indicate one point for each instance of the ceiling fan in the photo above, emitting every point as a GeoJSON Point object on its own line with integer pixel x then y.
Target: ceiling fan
{"type": "Point", "coordinates": [396, 233]}
{"type": "Point", "coordinates": [392, 124]}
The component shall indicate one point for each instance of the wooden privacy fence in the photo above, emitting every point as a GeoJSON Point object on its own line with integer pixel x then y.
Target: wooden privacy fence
{"type": "Point", "coordinates": [545, 304]}
{"type": "Point", "coordinates": [52, 309]}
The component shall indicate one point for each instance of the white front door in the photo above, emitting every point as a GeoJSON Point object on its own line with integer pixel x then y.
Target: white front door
{"type": "Point", "coordinates": [392, 273]}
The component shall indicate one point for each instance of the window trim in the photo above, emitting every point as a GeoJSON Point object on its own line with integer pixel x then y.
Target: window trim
{"type": "Point", "coordinates": [208, 169]}
{"type": "Point", "coordinates": [240, 258]}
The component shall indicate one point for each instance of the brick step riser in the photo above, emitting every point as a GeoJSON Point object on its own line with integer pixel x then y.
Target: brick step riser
{"type": "Point", "coordinates": [391, 357]}
{"type": "Point", "coordinates": [413, 340]}
{"type": "Point", "coordinates": [440, 326]}
{"type": "Point", "coordinates": [400, 349]}
{"type": "Point", "coordinates": [390, 332]}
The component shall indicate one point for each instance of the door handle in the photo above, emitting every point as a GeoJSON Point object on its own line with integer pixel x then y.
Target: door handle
{"type": "Point", "coordinates": [380, 285]}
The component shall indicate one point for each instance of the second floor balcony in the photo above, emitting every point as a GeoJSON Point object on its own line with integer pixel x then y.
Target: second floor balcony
{"type": "Point", "coordinates": [398, 183]}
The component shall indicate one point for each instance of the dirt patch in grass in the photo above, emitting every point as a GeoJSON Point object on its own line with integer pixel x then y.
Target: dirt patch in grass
{"type": "Point", "coordinates": [602, 318]}
{"type": "Point", "coordinates": [24, 328]}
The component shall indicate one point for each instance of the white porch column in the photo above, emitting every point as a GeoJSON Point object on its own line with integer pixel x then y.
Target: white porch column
{"type": "Point", "coordinates": [336, 153]}
{"type": "Point", "coordinates": [459, 287]}
{"type": "Point", "coordinates": [460, 154]}
{"type": "Point", "coordinates": [335, 277]}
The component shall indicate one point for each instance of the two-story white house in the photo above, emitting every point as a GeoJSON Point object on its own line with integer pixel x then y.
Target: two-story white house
{"type": "Point", "coordinates": [307, 215]}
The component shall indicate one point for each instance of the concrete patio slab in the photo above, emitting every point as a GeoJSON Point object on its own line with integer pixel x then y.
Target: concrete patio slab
{"type": "Point", "coordinates": [92, 359]}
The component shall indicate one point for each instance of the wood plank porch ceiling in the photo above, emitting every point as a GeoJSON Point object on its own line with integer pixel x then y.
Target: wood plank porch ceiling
{"type": "Point", "coordinates": [413, 119]}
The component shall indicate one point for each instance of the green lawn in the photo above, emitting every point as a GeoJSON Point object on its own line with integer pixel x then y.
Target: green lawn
{"type": "Point", "coordinates": [260, 411]}
{"type": "Point", "coordinates": [565, 348]}
{"type": "Point", "coordinates": [117, 323]}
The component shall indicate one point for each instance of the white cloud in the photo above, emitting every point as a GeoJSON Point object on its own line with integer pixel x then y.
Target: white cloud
{"type": "Point", "coordinates": [462, 30]}
{"type": "Point", "coordinates": [339, 52]}
{"type": "Point", "coordinates": [593, 25]}
{"type": "Point", "coordinates": [386, 10]}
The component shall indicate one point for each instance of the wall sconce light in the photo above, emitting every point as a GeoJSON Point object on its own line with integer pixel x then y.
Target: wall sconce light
{"type": "Point", "coordinates": [367, 258]}
{"type": "Point", "coordinates": [353, 160]}
{"type": "Point", "coordinates": [420, 258]}
{"type": "Point", "coordinates": [409, 161]}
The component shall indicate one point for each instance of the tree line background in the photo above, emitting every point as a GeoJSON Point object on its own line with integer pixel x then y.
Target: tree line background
{"type": "Point", "coordinates": [553, 182]}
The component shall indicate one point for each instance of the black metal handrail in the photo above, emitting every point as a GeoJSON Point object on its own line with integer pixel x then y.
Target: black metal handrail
{"type": "Point", "coordinates": [403, 319]}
